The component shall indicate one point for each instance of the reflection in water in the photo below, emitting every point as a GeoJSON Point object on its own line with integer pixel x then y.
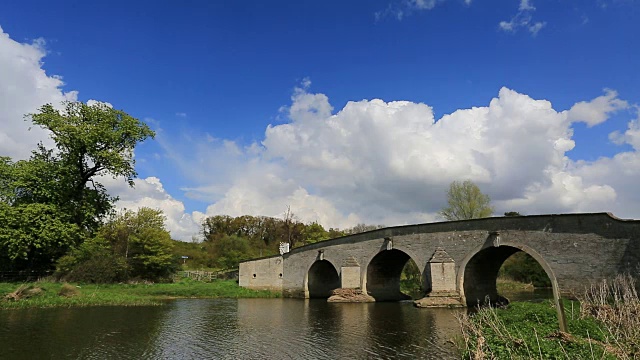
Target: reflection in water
{"type": "Point", "coordinates": [89, 333]}
{"type": "Point", "coordinates": [230, 329]}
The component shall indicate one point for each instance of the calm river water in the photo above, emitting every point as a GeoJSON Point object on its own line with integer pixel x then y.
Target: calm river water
{"type": "Point", "coordinates": [230, 329]}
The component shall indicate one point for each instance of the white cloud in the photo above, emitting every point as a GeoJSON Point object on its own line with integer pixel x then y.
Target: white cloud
{"type": "Point", "coordinates": [523, 19]}
{"type": "Point", "coordinates": [24, 87]}
{"type": "Point", "coordinates": [423, 4]}
{"type": "Point", "coordinates": [597, 110]}
{"type": "Point", "coordinates": [525, 5]}
{"type": "Point", "coordinates": [391, 162]}
{"type": "Point", "coordinates": [403, 8]}
{"type": "Point", "coordinates": [631, 136]}
{"type": "Point", "coordinates": [92, 102]}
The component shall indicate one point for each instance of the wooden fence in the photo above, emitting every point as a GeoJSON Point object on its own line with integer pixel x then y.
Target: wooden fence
{"type": "Point", "coordinates": [200, 275]}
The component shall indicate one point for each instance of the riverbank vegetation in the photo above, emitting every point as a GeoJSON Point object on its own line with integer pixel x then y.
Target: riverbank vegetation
{"type": "Point", "coordinates": [55, 294]}
{"type": "Point", "coordinates": [603, 324]}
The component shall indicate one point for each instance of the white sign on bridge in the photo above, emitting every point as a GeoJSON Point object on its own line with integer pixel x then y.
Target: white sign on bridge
{"type": "Point", "coordinates": [284, 248]}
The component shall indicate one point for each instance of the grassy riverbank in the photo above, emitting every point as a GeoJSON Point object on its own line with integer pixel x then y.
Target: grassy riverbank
{"type": "Point", "coordinates": [507, 285]}
{"type": "Point", "coordinates": [603, 325]}
{"type": "Point", "coordinates": [72, 295]}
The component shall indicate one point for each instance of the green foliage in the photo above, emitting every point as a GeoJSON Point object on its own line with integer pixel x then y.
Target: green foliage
{"type": "Point", "coordinates": [52, 202]}
{"type": "Point", "coordinates": [512, 213]}
{"type": "Point", "coordinates": [100, 270]}
{"type": "Point", "coordinates": [411, 280]}
{"type": "Point", "coordinates": [142, 240]}
{"type": "Point", "coordinates": [230, 251]}
{"type": "Point", "coordinates": [90, 141]}
{"type": "Point", "coordinates": [465, 201]}
{"type": "Point", "coordinates": [130, 245]}
{"type": "Point", "coordinates": [32, 235]}
{"type": "Point", "coordinates": [263, 233]}
{"type": "Point", "coordinates": [360, 228]}
{"type": "Point", "coordinates": [524, 268]}
{"type": "Point", "coordinates": [96, 139]}
{"type": "Point", "coordinates": [198, 254]}
{"type": "Point", "coordinates": [314, 232]}
{"type": "Point", "coordinates": [530, 330]}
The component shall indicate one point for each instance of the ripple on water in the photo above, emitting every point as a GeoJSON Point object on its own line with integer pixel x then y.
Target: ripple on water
{"type": "Point", "coordinates": [230, 329]}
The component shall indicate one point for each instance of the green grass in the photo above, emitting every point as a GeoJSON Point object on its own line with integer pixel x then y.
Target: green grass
{"type": "Point", "coordinates": [530, 330]}
{"type": "Point", "coordinates": [508, 285]}
{"type": "Point", "coordinates": [127, 294]}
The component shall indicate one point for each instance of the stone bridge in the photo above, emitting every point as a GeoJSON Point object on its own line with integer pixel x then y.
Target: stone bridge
{"type": "Point", "coordinates": [458, 260]}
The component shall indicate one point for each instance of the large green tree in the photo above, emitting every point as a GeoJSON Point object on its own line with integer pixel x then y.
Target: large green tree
{"type": "Point", "coordinates": [53, 200]}
{"type": "Point", "coordinates": [90, 140]}
{"type": "Point", "coordinates": [465, 201]}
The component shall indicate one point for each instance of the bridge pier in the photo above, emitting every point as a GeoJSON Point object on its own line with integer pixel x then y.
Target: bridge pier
{"type": "Point", "coordinates": [444, 292]}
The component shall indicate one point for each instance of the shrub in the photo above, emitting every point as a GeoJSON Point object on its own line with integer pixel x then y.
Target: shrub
{"type": "Point", "coordinates": [68, 290]}
{"type": "Point", "coordinates": [524, 268]}
{"type": "Point", "coordinates": [100, 270]}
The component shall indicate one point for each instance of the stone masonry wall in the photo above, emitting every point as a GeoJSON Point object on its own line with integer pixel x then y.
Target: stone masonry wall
{"type": "Point", "coordinates": [262, 274]}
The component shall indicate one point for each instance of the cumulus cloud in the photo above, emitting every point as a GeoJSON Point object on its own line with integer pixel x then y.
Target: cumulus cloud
{"type": "Point", "coordinates": [597, 110]}
{"type": "Point", "coordinates": [523, 19]}
{"type": "Point", "coordinates": [391, 162]}
{"type": "Point", "coordinates": [24, 87]}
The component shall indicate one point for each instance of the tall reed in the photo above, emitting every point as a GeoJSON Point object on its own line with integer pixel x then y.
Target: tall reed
{"type": "Point", "coordinates": [615, 303]}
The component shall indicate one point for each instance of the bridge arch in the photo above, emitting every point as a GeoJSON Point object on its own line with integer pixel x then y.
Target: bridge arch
{"type": "Point", "coordinates": [382, 278]}
{"type": "Point", "coordinates": [321, 279]}
{"type": "Point", "coordinates": [479, 271]}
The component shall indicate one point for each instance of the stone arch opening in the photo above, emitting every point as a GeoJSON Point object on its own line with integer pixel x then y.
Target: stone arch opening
{"type": "Point", "coordinates": [479, 271]}
{"type": "Point", "coordinates": [384, 274]}
{"type": "Point", "coordinates": [482, 270]}
{"type": "Point", "coordinates": [520, 269]}
{"type": "Point", "coordinates": [322, 279]}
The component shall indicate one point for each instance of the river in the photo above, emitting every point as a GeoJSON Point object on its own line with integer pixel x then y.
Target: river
{"type": "Point", "coordinates": [230, 329]}
{"type": "Point", "coordinates": [235, 329]}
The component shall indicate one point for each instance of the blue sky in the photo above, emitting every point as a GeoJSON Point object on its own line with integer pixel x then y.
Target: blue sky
{"type": "Point", "coordinates": [211, 76]}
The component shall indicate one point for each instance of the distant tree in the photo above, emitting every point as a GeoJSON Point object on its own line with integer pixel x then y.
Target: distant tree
{"type": "Point", "coordinates": [314, 232]}
{"type": "Point", "coordinates": [335, 233]}
{"type": "Point", "coordinates": [524, 268]}
{"type": "Point", "coordinates": [465, 201]}
{"type": "Point", "coordinates": [230, 250]}
{"type": "Point", "coordinates": [512, 213]}
{"type": "Point", "coordinates": [142, 239]}
{"type": "Point", "coordinates": [360, 228]}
